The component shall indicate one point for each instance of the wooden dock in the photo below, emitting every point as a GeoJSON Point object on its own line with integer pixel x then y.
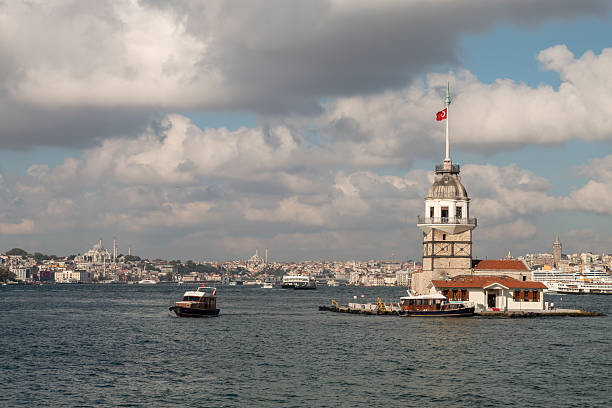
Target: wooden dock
{"type": "Point", "coordinates": [501, 314]}
{"type": "Point", "coordinates": [346, 309]}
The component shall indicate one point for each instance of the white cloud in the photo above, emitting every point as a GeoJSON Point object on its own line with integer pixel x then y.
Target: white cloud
{"type": "Point", "coordinates": [75, 72]}
{"type": "Point", "coordinates": [168, 185]}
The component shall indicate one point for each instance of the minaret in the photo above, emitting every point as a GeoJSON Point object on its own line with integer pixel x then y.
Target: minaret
{"type": "Point", "coordinates": [447, 226]}
{"type": "Point", "coordinates": [114, 250]}
{"type": "Point", "coordinates": [557, 248]}
{"type": "Point", "coordinates": [266, 256]}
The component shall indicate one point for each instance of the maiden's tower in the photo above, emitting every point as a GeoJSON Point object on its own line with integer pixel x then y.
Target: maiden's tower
{"type": "Point", "coordinates": [446, 223]}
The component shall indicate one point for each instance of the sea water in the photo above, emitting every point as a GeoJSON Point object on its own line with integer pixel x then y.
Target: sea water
{"type": "Point", "coordinates": [118, 345]}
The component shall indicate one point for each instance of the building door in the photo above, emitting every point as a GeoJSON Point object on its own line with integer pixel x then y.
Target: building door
{"type": "Point", "coordinates": [491, 300]}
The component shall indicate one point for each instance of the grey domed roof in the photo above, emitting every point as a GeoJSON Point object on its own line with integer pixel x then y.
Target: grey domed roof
{"type": "Point", "coordinates": [447, 185]}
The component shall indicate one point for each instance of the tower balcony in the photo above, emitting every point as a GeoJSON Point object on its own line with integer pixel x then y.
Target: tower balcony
{"type": "Point", "coordinates": [450, 225]}
{"type": "Point", "coordinates": [450, 168]}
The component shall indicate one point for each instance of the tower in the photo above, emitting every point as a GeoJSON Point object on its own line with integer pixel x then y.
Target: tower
{"type": "Point", "coordinates": [446, 224]}
{"type": "Point", "coordinates": [557, 248]}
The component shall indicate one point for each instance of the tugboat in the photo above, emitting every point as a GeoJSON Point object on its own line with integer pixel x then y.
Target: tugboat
{"type": "Point", "coordinates": [433, 305]}
{"type": "Point", "coordinates": [199, 303]}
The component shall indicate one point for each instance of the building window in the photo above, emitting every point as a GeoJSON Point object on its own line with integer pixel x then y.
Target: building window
{"type": "Point", "coordinates": [526, 296]}
{"type": "Point", "coordinates": [459, 212]}
{"type": "Point", "coordinates": [431, 212]}
{"type": "Point", "coordinates": [464, 294]}
{"type": "Point", "coordinates": [444, 214]}
{"type": "Point", "coordinates": [443, 237]}
{"type": "Point", "coordinates": [517, 295]}
{"type": "Point", "coordinates": [535, 295]}
{"type": "Point", "coordinates": [454, 294]}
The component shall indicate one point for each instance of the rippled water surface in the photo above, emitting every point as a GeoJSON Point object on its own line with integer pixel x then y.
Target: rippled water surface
{"type": "Point", "coordinates": [93, 345]}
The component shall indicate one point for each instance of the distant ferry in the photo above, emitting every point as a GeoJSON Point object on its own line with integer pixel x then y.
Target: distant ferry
{"type": "Point", "coordinates": [580, 282]}
{"type": "Point", "coordinates": [298, 282]}
{"type": "Point", "coordinates": [147, 282]}
{"type": "Point", "coordinates": [199, 303]}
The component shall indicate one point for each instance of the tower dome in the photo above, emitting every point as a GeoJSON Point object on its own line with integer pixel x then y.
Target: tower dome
{"type": "Point", "coordinates": [447, 186]}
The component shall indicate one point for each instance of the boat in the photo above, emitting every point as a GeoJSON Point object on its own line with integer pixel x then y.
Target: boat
{"type": "Point", "coordinates": [199, 303]}
{"type": "Point", "coordinates": [582, 281]}
{"type": "Point", "coordinates": [434, 305]}
{"type": "Point", "coordinates": [580, 288]}
{"type": "Point", "coordinates": [298, 282]}
{"type": "Point", "coordinates": [147, 282]}
{"type": "Point", "coordinates": [267, 285]}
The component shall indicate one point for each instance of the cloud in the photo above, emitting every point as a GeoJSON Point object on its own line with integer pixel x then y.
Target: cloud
{"type": "Point", "coordinates": [234, 190]}
{"type": "Point", "coordinates": [594, 196]}
{"type": "Point", "coordinates": [87, 71]}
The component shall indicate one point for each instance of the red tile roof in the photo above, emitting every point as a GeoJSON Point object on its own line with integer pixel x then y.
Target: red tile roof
{"type": "Point", "coordinates": [470, 281]}
{"type": "Point", "coordinates": [500, 264]}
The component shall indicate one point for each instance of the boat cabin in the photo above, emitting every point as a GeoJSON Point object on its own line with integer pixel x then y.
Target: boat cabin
{"type": "Point", "coordinates": [205, 297]}
{"type": "Point", "coordinates": [433, 301]}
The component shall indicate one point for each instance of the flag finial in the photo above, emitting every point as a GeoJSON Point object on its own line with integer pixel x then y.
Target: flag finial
{"type": "Point", "coordinates": [448, 100]}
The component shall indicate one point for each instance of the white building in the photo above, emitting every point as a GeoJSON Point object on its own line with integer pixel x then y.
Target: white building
{"type": "Point", "coordinates": [403, 278]}
{"type": "Point", "coordinates": [493, 292]}
{"type": "Point", "coordinates": [72, 276]}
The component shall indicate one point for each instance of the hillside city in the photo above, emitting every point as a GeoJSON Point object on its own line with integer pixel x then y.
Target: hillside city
{"type": "Point", "coordinates": [99, 265]}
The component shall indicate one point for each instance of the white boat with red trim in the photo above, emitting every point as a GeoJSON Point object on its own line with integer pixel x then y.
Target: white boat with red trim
{"type": "Point", "coordinates": [199, 303]}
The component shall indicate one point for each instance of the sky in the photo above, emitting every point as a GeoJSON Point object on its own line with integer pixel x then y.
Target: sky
{"type": "Point", "coordinates": [207, 130]}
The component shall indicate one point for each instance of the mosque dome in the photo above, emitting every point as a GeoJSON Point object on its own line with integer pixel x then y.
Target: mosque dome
{"type": "Point", "coordinates": [447, 186]}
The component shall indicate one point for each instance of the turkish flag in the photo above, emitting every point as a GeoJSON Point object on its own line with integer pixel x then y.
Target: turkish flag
{"type": "Point", "coordinates": [441, 115]}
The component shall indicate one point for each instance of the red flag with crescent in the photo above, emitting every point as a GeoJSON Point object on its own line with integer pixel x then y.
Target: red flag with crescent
{"type": "Point", "coordinates": [441, 115]}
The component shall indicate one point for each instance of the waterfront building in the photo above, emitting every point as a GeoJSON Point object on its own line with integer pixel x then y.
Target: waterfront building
{"type": "Point", "coordinates": [403, 278]}
{"type": "Point", "coordinates": [512, 268]}
{"type": "Point", "coordinates": [22, 273]}
{"type": "Point", "coordinates": [493, 293]}
{"type": "Point", "coordinates": [446, 224]}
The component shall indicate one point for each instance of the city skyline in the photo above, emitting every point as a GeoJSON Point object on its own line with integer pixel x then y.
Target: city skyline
{"type": "Point", "coordinates": [204, 132]}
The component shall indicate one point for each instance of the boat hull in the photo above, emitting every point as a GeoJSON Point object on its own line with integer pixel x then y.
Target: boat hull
{"type": "Point", "coordinates": [298, 287]}
{"type": "Point", "coordinates": [192, 312]}
{"type": "Point", "coordinates": [461, 312]}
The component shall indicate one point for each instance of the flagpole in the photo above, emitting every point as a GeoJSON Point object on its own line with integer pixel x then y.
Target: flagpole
{"type": "Point", "coordinates": [447, 101]}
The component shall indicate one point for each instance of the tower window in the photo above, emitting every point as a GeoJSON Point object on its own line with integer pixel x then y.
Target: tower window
{"type": "Point", "coordinates": [444, 213]}
{"type": "Point", "coordinates": [459, 212]}
{"type": "Point", "coordinates": [443, 237]}
{"type": "Point", "coordinates": [431, 212]}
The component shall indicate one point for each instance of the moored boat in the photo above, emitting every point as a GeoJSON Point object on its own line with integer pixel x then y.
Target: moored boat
{"type": "Point", "coordinates": [298, 282]}
{"type": "Point", "coordinates": [433, 305]}
{"type": "Point", "coordinates": [147, 282]}
{"type": "Point", "coordinates": [199, 303]}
